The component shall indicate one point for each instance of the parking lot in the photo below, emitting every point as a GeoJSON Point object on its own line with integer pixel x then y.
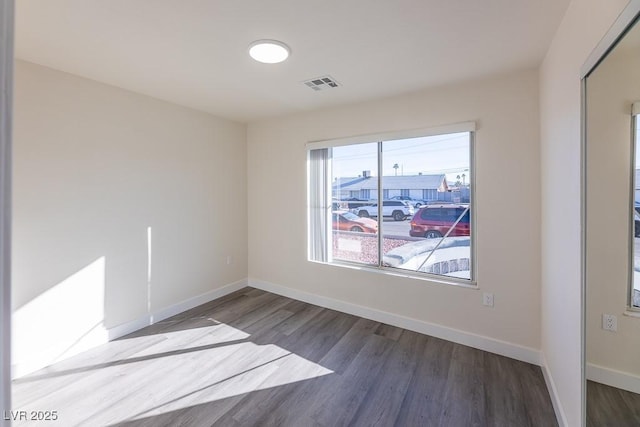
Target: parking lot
{"type": "Point", "coordinates": [397, 228]}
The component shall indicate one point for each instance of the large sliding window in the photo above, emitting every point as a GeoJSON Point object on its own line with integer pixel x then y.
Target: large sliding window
{"type": "Point", "coordinates": [415, 210]}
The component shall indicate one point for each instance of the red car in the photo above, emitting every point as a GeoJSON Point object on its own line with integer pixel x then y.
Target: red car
{"type": "Point", "coordinates": [434, 221]}
{"type": "Point", "coordinates": [347, 221]}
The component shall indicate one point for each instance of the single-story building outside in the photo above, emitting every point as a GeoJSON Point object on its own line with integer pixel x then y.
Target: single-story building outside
{"type": "Point", "coordinates": [421, 187]}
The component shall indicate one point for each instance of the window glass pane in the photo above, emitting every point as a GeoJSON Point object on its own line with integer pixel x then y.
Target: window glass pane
{"type": "Point", "coordinates": [424, 223]}
{"type": "Point", "coordinates": [434, 238]}
{"type": "Point", "coordinates": [354, 171]}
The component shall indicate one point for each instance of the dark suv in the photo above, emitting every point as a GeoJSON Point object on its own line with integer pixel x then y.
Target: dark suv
{"type": "Point", "coordinates": [433, 221]}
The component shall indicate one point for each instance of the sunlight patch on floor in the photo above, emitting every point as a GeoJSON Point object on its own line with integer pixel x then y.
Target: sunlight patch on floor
{"type": "Point", "coordinates": [153, 374]}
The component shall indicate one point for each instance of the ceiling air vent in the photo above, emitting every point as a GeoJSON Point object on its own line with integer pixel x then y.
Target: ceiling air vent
{"type": "Point", "coordinates": [322, 83]}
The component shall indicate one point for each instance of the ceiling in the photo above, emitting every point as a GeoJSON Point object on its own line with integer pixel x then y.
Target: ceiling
{"type": "Point", "coordinates": [194, 52]}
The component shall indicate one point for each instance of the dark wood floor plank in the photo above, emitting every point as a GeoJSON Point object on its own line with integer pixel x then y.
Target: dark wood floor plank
{"type": "Point", "coordinates": [425, 395]}
{"type": "Point", "coordinates": [304, 313]}
{"type": "Point", "coordinates": [253, 358]}
{"type": "Point", "coordinates": [382, 403]}
{"type": "Point", "coordinates": [253, 320]}
{"type": "Point", "coordinates": [631, 403]}
{"type": "Point", "coordinates": [338, 405]}
{"type": "Point", "coordinates": [609, 406]}
{"type": "Point", "coordinates": [339, 358]}
{"type": "Point", "coordinates": [289, 405]}
{"type": "Point", "coordinates": [275, 389]}
{"type": "Point", "coordinates": [292, 410]}
{"type": "Point", "coordinates": [538, 405]}
{"type": "Point", "coordinates": [247, 311]}
{"type": "Point", "coordinates": [314, 339]}
{"type": "Point", "coordinates": [388, 331]}
{"type": "Point", "coordinates": [505, 404]}
{"type": "Point", "coordinates": [308, 342]}
{"type": "Point", "coordinates": [464, 392]}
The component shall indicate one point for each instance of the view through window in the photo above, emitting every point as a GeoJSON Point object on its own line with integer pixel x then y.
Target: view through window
{"type": "Point", "coordinates": [413, 210]}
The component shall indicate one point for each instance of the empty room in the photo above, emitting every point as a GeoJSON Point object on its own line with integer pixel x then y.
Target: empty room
{"type": "Point", "coordinates": [407, 213]}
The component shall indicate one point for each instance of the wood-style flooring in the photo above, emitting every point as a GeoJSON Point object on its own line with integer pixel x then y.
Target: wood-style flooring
{"type": "Point", "coordinates": [611, 407]}
{"type": "Point", "coordinates": [253, 358]}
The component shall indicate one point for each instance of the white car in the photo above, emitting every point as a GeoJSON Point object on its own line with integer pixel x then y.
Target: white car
{"type": "Point", "coordinates": [415, 202]}
{"type": "Point", "coordinates": [396, 209]}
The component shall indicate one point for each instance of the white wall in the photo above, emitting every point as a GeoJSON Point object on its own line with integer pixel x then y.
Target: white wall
{"type": "Point", "coordinates": [584, 24]}
{"type": "Point", "coordinates": [611, 90]}
{"type": "Point", "coordinates": [507, 163]}
{"type": "Point", "coordinates": [96, 168]}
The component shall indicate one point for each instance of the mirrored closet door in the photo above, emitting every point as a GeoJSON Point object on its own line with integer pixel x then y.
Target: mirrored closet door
{"type": "Point", "coordinates": [612, 234]}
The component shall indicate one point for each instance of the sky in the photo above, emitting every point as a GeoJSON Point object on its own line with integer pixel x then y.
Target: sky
{"type": "Point", "coordinates": [448, 154]}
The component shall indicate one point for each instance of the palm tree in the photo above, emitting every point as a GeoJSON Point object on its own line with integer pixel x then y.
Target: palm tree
{"type": "Point", "coordinates": [396, 166]}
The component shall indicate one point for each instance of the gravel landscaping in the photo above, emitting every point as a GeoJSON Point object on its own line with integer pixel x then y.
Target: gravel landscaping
{"type": "Point", "coordinates": [452, 258]}
{"type": "Point", "coordinates": [367, 243]}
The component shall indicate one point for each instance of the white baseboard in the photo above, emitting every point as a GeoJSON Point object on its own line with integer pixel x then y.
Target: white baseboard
{"type": "Point", "coordinates": [553, 393]}
{"type": "Point", "coordinates": [613, 378]}
{"type": "Point", "coordinates": [481, 342]}
{"type": "Point", "coordinates": [172, 310]}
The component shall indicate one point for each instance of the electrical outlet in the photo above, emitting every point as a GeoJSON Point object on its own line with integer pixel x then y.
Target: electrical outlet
{"type": "Point", "coordinates": [609, 322]}
{"type": "Point", "coordinates": [229, 260]}
{"type": "Point", "coordinates": [487, 299]}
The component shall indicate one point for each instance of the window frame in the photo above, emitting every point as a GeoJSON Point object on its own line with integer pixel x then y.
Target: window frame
{"type": "Point", "coordinates": [635, 121]}
{"type": "Point", "coordinates": [380, 138]}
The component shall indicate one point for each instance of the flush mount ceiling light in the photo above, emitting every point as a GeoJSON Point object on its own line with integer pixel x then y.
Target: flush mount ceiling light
{"type": "Point", "coordinates": [269, 51]}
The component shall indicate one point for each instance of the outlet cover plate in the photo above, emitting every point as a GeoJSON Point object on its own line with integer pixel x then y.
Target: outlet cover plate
{"type": "Point", "coordinates": [487, 299]}
{"type": "Point", "coordinates": [609, 322]}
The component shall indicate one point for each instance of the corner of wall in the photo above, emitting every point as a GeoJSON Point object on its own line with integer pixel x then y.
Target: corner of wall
{"type": "Point", "coordinates": [553, 392]}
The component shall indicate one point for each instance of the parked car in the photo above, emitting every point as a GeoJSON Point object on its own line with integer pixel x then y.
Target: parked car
{"type": "Point", "coordinates": [348, 221]}
{"type": "Point", "coordinates": [396, 209]}
{"type": "Point", "coordinates": [354, 202]}
{"type": "Point", "coordinates": [434, 221]}
{"type": "Point", "coordinates": [415, 202]}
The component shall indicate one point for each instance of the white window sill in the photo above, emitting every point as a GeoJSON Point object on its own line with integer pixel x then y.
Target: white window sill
{"type": "Point", "coordinates": [389, 271]}
{"type": "Point", "coordinates": [632, 313]}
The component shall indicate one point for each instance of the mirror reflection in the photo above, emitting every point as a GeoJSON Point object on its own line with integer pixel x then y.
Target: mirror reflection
{"type": "Point", "coordinates": [613, 236]}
